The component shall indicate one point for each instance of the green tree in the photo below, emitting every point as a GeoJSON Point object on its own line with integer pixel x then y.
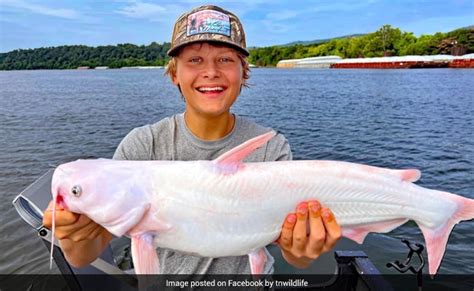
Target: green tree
{"type": "Point", "coordinates": [387, 37]}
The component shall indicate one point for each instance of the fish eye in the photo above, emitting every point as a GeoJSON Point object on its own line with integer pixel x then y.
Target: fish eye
{"type": "Point", "coordinates": [76, 190]}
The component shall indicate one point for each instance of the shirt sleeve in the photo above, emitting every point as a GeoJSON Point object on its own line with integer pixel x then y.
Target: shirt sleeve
{"type": "Point", "coordinates": [278, 149]}
{"type": "Point", "coordinates": [137, 145]}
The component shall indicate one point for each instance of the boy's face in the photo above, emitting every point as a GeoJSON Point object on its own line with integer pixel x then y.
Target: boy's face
{"type": "Point", "coordinates": [210, 78]}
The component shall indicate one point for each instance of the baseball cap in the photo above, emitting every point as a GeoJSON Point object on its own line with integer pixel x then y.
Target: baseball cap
{"type": "Point", "coordinates": [208, 23]}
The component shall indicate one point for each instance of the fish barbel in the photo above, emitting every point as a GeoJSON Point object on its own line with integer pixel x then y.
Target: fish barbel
{"type": "Point", "coordinates": [228, 208]}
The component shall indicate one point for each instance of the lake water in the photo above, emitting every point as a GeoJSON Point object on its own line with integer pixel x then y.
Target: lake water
{"type": "Point", "coordinates": [390, 118]}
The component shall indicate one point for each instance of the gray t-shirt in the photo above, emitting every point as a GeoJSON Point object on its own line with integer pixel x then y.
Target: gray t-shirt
{"type": "Point", "coordinates": [170, 139]}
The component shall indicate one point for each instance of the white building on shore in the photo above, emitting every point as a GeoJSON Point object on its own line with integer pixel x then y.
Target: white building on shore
{"type": "Point", "coordinates": [313, 62]}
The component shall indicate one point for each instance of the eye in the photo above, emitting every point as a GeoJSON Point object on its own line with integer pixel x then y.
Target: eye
{"type": "Point", "coordinates": [195, 60]}
{"type": "Point", "coordinates": [76, 190]}
{"type": "Point", "coordinates": [226, 60]}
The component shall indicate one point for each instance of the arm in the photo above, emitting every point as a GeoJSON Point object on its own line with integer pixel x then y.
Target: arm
{"type": "Point", "coordinates": [301, 247]}
{"type": "Point", "coordinates": [81, 239]}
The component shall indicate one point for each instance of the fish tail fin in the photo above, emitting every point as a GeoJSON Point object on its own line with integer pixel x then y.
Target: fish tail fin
{"type": "Point", "coordinates": [436, 239]}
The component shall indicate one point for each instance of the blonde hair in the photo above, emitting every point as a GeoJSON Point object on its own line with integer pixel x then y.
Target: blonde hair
{"type": "Point", "coordinates": [172, 67]}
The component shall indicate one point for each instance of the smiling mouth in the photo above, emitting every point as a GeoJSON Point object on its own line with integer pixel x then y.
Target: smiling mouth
{"type": "Point", "coordinates": [215, 89]}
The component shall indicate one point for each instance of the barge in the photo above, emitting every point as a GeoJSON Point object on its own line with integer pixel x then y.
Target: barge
{"type": "Point", "coordinates": [403, 62]}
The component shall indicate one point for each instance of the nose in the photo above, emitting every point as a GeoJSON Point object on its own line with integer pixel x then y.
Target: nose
{"type": "Point", "coordinates": [211, 70]}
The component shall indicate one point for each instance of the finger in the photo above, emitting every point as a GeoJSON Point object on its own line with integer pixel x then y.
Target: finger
{"type": "Point", "coordinates": [51, 204]}
{"type": "Point", "coordinates": [75, 229]}
{"type": "Point", "coordinates": [50, 207]}
{"type": "Point", "coordinates": [333, 230]}
{"type": "Point", "coordinates": [63, 216]}
{"type": "Point", "coordinates": [96, 232]}
{"type": "Point", "coordinates": [299, 232]}
{"type": "Point", "coordinates": [286, 236]}
{"type": "Point", "coordinates": [317, 235]}
{"type": "Point", "coordinates": [86, 233]}
{"type": "Point", "coordinates": [47, 215]}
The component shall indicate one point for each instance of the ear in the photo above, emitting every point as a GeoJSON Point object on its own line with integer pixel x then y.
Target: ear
{"type": "Point", "coordinates": [175, 79]}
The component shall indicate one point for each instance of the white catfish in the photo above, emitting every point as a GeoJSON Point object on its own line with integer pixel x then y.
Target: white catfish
{"type": "Point", "coordinates": [228, 208]}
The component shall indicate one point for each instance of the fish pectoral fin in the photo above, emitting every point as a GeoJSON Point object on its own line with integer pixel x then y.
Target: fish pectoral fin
{"type": "Point", "coordinates": [144, 256]}
{"type": "Point", "coordinates": [358, 233]}
{"type": "Point", "coordinates": [150, 223]}
{"type": "Point", "coordinates": [232, 158]}
{"type": "Point", "coordinates": [257, 259]}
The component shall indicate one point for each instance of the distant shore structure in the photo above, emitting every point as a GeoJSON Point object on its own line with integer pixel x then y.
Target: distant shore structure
{"type": "Point", "coordinates": [403, 62]}
{"type": "Point", "coordinates": [288, 63]}
{"type": "Point", "coordinates": [124, 68]}
{"type": "Point", "coordinates": [313, 62]}
{"type": "Point", "coordinates": [142, 68]}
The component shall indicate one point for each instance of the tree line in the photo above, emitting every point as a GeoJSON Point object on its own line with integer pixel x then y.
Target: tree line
{"type": "Point", "coordinates": [74, 56]}
{"type": "Point", "coordinates": [387, 41]}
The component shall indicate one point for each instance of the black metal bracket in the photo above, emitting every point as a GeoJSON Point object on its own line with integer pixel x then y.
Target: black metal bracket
{"type": "Point", "coordinates": [417, 249]}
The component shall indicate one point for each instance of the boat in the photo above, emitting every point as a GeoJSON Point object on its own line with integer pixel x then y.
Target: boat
{"type": "Point", "coordinates": [393, 62]}
{"type": "Point", "coordinates": [463, 62]}
{"type": "Point", "coordinates": [342, 270]}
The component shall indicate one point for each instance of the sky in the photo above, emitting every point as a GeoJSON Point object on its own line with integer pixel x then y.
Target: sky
{"type": "Point", "coordinates": [46, 23]}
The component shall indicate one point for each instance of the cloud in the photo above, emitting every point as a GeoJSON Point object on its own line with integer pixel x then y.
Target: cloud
{"type": "Point", "coordinates": [143, 10]}
{"type": "Point", "coordinates": [283, 15]}
{"type": "Point", "coordinates": [280, 21]}
{"type": "Point", "coordinates": [349, 5]}
{"type": "Point", "coordinates": [41, 9]}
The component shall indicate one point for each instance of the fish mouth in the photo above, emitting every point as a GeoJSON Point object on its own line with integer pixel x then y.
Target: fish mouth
{"type": "Point", "coordinates": [60, 201]}
{"type": "Point", "coordinates": [59, 197]}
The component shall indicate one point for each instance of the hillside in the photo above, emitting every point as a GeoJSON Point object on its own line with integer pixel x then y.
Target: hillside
{"type": "Point", "coordinates": [318, 41]}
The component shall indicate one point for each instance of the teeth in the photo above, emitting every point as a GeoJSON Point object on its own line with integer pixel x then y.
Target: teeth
{"type": "Point", "coordinates": [209, 89]}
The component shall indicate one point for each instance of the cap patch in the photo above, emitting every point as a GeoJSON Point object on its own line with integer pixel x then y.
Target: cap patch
{"type": "Point", "coordinates": [208, 21]}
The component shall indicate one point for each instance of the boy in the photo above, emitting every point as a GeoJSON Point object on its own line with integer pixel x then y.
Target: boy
{"type": "Point", "coordinates": [209, 66]}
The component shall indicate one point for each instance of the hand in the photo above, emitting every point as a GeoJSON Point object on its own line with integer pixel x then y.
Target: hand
{"type": "Point", "coordinates": [303, 240]}
{"type": "Point", "coordinates": [81, 239]}
{"type": "Point", "coordinates": [69, 225]}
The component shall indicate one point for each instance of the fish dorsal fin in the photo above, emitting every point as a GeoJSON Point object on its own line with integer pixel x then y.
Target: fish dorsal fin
{"type": "Point", "coordinates": [409, 175]}
{"type": "Point", "coordinates": [236, 155]}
